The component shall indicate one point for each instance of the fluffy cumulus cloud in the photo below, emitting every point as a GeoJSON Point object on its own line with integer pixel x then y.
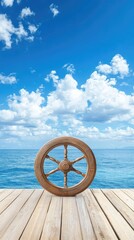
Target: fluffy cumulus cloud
{"type": "Point", "coordinates": [117, 66]}
{"type": "Point", "coordinates": [26, 116]}
{"type": "Point", "coordinates": [54, 9]}
{"type": "Point", "coordinates": [71, 109]}
{"type": "Point", "coordinates": [9, 3]}
{"type": "Point", "coordinates": [10, 33]}
{"type": "Point", "coordinates": [106, 102]}
{"type": "Point", "coordinates": [6, 30]}
{"type": "Point", "coordinates": [25, 12]}
{"type": "Point", "coordinates": [10, 79]}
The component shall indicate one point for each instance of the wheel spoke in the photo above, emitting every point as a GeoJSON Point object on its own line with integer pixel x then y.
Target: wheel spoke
{"type": "Point", "coordinates": [79, 172]}
{"type": "Point", "coordinates": [65, 152]}
{"type": "Point", "coordinates": [52, 171]}
{"type": "Point", "coordinates": [52, 159]}
{"type": "Point", "coordinates": [78, 159]}
{"type": "Point", "coordinates": [65, 180]}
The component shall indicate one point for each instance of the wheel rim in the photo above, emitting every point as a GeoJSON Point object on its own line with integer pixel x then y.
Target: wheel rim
{"type": "Point", "coordinates": [65, 166]}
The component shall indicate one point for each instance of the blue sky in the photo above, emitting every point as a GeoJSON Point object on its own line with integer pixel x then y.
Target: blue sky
{"type": "Point", "coordinates": [66, 68]}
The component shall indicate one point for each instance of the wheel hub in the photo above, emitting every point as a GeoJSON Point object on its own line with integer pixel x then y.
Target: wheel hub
{"type": "Point", "coordinates": [64, 166]}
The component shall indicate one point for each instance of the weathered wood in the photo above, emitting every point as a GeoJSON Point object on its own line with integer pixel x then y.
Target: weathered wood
{"type": "Point", "coordinates": [94, 214]}
{"type": "Point", "coordinates": [121, 227]}
{"type": "Point", "coordinates": [34, 227]}
{"type": "Point", "coordinates": [129, 192]}
{"type": "Point", "coordinates": [70, 220]}
{"type": "Point", "coordinates": [101, 225]}
{"type": "Point", "coordinates": [9, 199]}
{"type": "Point", "coordinates": [125, 198]}
{"type": "Point", "coordinates": [51, 229]}
{"type": "Point", "coordinates": [65, 166]}
{"type": "Point", "coordinates": [5, 193]}
{"type": "Point", "coordinates": [127, 213]}
{"type": "Point", "coordinates": [15, 229]}
{"type": "Point", "coordinates": [10, 213]}
{"type": "Point", "coordinates": [86, 229]}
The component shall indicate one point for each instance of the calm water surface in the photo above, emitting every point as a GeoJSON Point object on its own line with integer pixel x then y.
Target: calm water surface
{"type": "Point", "coordinates": [115, 168]}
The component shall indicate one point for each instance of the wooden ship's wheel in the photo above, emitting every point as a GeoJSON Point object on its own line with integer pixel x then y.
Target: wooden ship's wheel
{"type": "Point", "coordinates": [65, 166]}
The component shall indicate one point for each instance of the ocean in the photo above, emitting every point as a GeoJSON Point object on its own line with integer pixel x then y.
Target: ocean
{"type": "Point", "coordinates": [115, 168]}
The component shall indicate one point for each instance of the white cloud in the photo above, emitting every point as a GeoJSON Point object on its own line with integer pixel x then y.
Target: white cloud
{"type": "Point", "coordinates": [21, 32]}
{"type": "Point", "coordinates": [54, 9]}
{"type": "Point", "coordinates": [70, 68]}
{"type": "Point", "coordinates": [67, 98]}
{"type": "Point", "coordinates": [104, 68]}
{"type": "Point", "coordinates": [52, 76]}
{"type": "Point", "coordinates": [26, 117]}
{"type": "Point", "coordinates": [9, 33]}
{"type": "Point", "coordinates": [107, 103]}
{"type": "Point", "coordinates": [6, 30]}
{"type": "Point", "coordinates": [72, 110]}
{"type": "Point", "coordinates": [7, 3]}
{"type": "Point", "coordinates": [32, 28]}
{"type": "Point", "coordinates": [118, 65]}
{"type": "Point", "coordinates": [10, 79]}
{"type": "Point", "coordinates": [26, 12]}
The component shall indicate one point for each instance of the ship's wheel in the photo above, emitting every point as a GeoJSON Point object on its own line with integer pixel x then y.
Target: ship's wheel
{"type": "Point", "coordinates": [65, 166]}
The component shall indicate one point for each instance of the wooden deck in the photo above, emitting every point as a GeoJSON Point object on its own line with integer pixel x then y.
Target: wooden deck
{"type": "Point", "coordinates": [93, 214]}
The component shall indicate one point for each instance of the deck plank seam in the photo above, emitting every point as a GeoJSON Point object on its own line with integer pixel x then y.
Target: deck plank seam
{"type": "Point", "coordinates": [78, 217]}
{"type": "Point", "coordinates": [117, 207]}
{"type": "Point", "coordinates": [106, 216]}
{"type": "Point", "coordinates": [123, 200]}
{"type": "Point", "coordinates": [7, 195]}
{"type": "Point", "coordinates": [102, 213]}
{"type": "Point", "coordinates": [11, 201]}
{"type": "Point", "coordinates": [17, 212]}
{"type": "Point", "coordinates": [31, 214]}
{"type": "Point", "coordinates": [45, 217]}
{"type": "Point", "coordinates": [89, 214]}
{"type": "Point", "coordinates": [123, 190]}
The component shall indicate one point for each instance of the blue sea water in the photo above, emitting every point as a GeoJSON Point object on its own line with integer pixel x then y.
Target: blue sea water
{"type": "Point", "coordinates": [115, 168]}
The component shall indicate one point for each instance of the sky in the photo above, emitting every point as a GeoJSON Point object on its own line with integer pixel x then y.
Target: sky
{"type": "Point", "coordinates": [66, 69]}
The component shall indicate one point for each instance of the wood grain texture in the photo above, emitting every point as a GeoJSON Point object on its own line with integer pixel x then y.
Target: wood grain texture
{"type": "Point", "coordinates": [65, 166]}
{"type": "Point", "coordinates": [101, 225]}
{"type": "Point", "coordinates": [70, 220]}
{"type": "Point", "coordinates": [120, 226]}
{"type": "Point", "coordinates": [94, 214]}
{"type": "Point", "coordinates": [125, 211]}
{"type": "Point", "coordinates": [125, 198]}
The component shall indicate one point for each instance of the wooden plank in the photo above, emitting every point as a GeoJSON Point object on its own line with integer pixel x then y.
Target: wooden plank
{"type": "Point", "coordinates": [5, 193]}
{"type": "Point", "coordinates": [2, 190]}
{"type": "Point", "coordinates": [121, 227]}
{"type": "Point", "coordinates": [34, 227]}
{"type": "Point", "coordinates": [120, 206]}
{"type": "Point", "coordinates": [85, 222]}
{"type": "Point", "coordinates": [52, 226]}
{"type": "Point", "coordinates": [125, 198]}
{"type": "Point", "coordinates": [9, 199]}
{"type": "Point", "coordinates": [129, 192]}
{"type": "Point", "coordinates": [15, 229]}
{"type": "Point", "coordinates": [9, 214]}
{"type": "Point", "coordinates": [101, 225]}
{"type": "Point", "coordinates": [70, 220]}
